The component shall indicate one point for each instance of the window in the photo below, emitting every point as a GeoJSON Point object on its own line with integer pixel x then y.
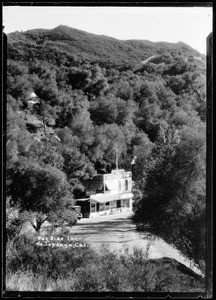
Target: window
{"type": "Point", "coordinates": [101, 206]}
{"type": "Point", "coordinates": [113, 204]}
{"type": "Point", "coordinates": [107, 206]}
{"type": "Point", "coordinates": [111, 185]}
{"type": "Point", "coordinates": [126, 203]}
{"type": "Point", "coordinates": [93, 208]}
{"type": "Point", "coordinates": [118, 203]}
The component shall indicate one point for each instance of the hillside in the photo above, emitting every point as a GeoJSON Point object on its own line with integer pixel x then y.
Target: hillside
{"type": "Point", "coordinates": [78, 101]}
{"type": "Point", "coordinates": [111, 83]}
{"type": "Point", "coordinates": [92, 47]}
{"type": "Point", "coordinates": [108, 82]}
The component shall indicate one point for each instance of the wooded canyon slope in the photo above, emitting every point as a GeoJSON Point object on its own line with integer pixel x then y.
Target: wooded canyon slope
{"type": "Point", "coordinates": [76, 100]}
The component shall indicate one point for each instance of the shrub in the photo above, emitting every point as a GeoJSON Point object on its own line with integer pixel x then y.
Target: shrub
{"type": "Point", "coordinates": [90, 279]}
{"type": "Point", "coordinates": [49, 261]}
{"type": "Point", "coordinates": [31, 267]}
{"type": "Point", "coordinates": [68, 218]}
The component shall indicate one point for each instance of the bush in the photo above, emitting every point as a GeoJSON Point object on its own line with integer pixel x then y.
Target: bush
{"type": "Point", "coordinates": [68, 218]}
{"type": "Point", "coordinates": [47, 260]}
{"type": "Point", "coordinates": [32, 267]}
{"type": "Point", "coordinates": [90, 279]}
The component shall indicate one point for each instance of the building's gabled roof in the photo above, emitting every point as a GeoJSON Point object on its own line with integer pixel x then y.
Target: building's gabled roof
{"type": "Point", "coordinates": [32, 95]}
{"type": "Point", "coordinates": [93, 185]}
{"type": "Point", "coordinates": [83, 199]}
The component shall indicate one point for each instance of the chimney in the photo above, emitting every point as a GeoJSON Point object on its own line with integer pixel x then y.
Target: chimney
{"type": "Point", "coordinates": [132, 166]}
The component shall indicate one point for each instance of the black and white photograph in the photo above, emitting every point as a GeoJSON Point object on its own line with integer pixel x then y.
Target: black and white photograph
{"type": "Point", "coordinates": [107, 134]}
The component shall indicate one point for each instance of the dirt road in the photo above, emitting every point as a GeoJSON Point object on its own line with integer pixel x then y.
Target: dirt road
{"type": "Point", "coordinates": [118, 232]}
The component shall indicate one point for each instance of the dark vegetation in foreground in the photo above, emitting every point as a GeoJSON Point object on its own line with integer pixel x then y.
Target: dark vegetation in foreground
{"type": "Point", "coordinates": [43, 268]}
{"type": "Point", "coordinates": [98, 98]}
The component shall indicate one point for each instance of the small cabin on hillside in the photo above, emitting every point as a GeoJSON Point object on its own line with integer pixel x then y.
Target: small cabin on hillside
{"type": "Point", "coordinates": [107, 194]}
{"type": "Point", "coordinates": [32, 100]}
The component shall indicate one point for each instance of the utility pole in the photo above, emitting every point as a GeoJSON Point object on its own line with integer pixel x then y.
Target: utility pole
{"type": "Point", "coordinates": [116, 148]}
{"type": "Point", "coordinates": [116, 159]}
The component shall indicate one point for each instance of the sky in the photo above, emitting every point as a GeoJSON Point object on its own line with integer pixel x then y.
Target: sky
{"type": "Point", "coordinates": [169, 24]}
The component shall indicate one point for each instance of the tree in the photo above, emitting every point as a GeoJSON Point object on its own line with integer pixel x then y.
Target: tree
{"type": "Point", "coordinates": [77, 167]}
{"type": "Point", "coordinates": [79, 78]}
{"type": "Point", "coordinates": [46, 153]}
{"type": "Point", "coordinates": [110, 143]}
{"type": "Point", "coordinates": [104, 110]}
{"type": "Point", "coordinates": [18, 139]}
{"type": "Point", "coordinates": [170, 196]}
{"type": "Point", "coordinates": [43, 193]}
{"type": "Point", "coordinates": [73, 111]}
{"type": "Point", "coordinates": [98, 84]}
{"type": "Point", "coordinates": [141, 149]}
{"type": "Point", "coordinates": [147, 118]}
{"type": "Point", "coordinates": [18, 87]}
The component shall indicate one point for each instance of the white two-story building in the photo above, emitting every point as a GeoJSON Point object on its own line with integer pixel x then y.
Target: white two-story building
{"type": "Point", "coordinates": [107, 194]}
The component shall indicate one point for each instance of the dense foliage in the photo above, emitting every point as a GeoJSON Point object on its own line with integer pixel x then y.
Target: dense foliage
{"type": "Point", "coordinates": [35, 268]}
{"type": "Point", "coordinates": [170, 196]}
{"type": "Point", "coordinates": [97, 98]}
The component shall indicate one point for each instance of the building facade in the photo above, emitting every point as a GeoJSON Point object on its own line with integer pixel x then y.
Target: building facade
{"type": "Point", "coordinates": [107, 194]}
